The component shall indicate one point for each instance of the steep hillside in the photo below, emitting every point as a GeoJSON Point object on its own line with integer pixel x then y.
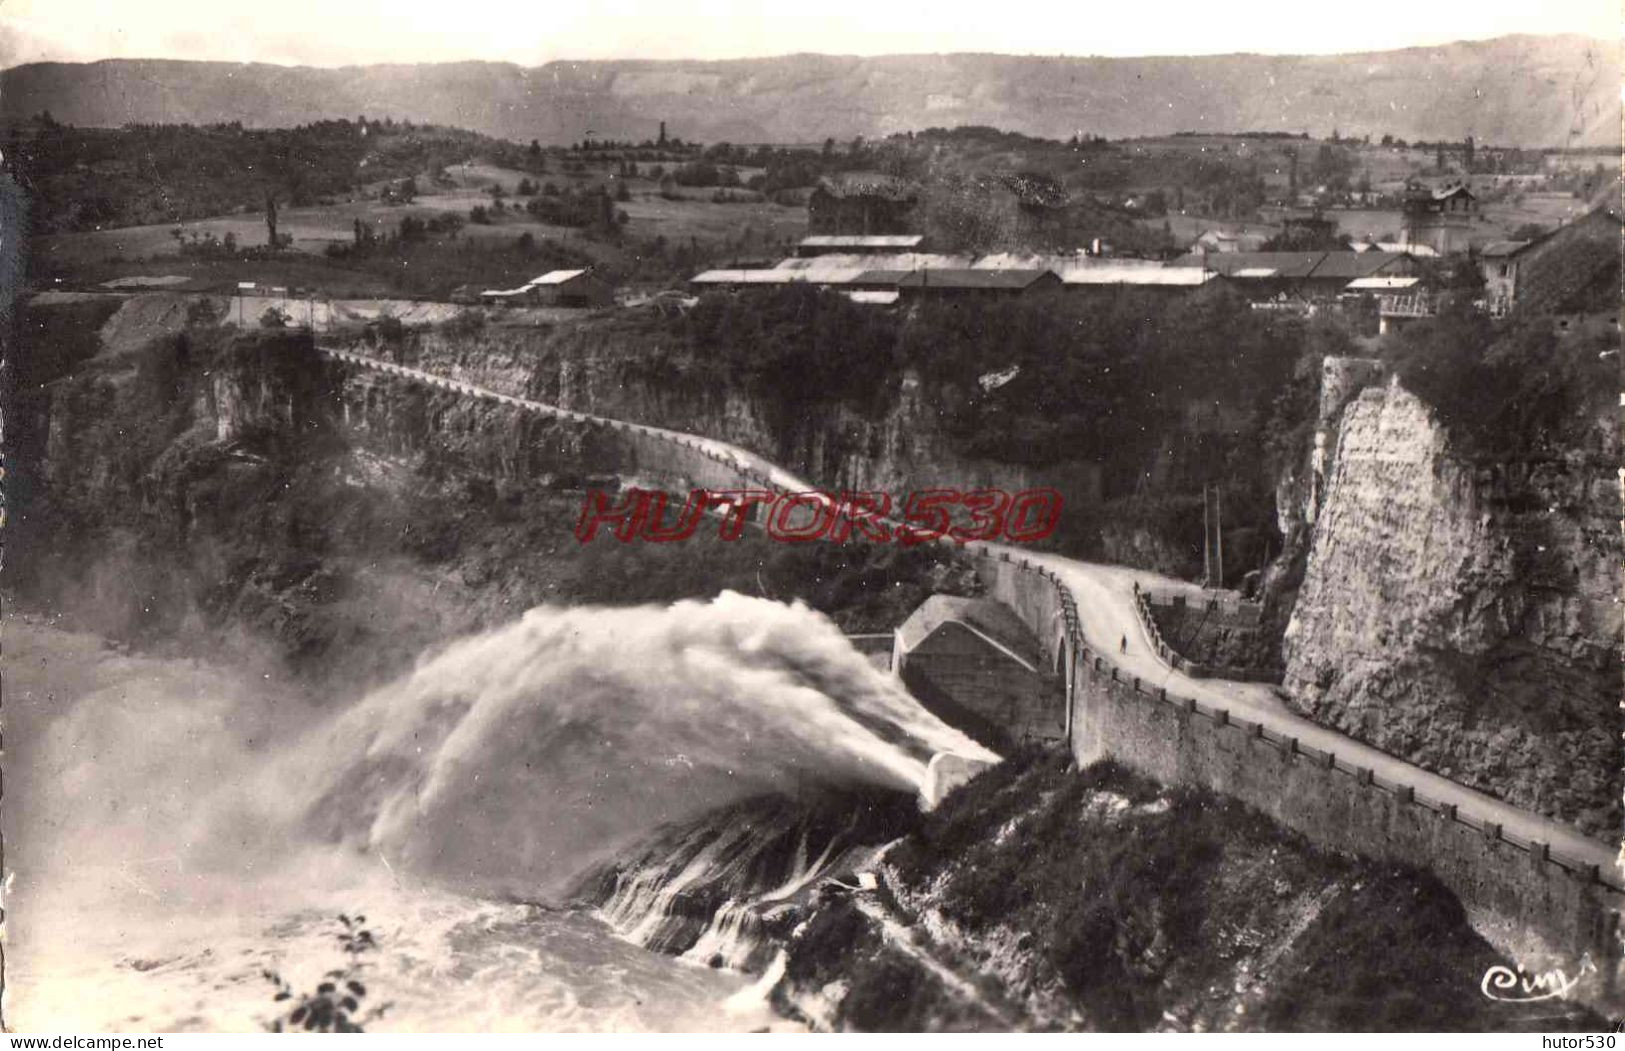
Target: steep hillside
{"type": "Point", "coordinates": [1520, 90]}
{"type": "Point", "coordinates": [1044, 897]}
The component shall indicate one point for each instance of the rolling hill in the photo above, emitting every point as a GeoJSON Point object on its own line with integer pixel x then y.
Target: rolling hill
{"type": "Point", "coordinates": [1516, 90]}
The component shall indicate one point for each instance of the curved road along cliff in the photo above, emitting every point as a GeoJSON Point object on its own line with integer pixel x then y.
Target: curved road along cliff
{"type": "Point", "coordinates": [1105, 603]}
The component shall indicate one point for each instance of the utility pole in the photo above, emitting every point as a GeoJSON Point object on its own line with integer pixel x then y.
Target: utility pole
{"type": "Point", "coordinates": [1207, 544]}
{"type": "Point", "coordinates": [1212, 538]}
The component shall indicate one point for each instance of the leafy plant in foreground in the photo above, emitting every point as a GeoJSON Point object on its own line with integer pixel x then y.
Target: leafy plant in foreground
{"type": "Point", "coordinates": [335, 1006]}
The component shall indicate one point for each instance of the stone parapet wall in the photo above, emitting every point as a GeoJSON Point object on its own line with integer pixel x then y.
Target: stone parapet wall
{"type": "Point", "coordinates": [1534, 903]}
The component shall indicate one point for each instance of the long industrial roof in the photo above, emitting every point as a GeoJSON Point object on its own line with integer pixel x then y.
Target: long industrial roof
{"type": "Point", "coordinates": [1138, 275]}
{"type": "Point", "coordinates": [557, 277]}
{"type": "Point", "coordinates": [1334, 265]}
{"type": "Point", "coordinates": [1373, 284]}
{"type": "Point", "coordinates": [969, 278]}
{"type": "Point", "coordinates": [862, 241]}
{"type": "Point", "coordinates": [776, 276]}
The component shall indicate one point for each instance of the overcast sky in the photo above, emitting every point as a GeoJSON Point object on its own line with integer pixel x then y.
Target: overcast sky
{"type": "Point", "coordinates": [341, 32]}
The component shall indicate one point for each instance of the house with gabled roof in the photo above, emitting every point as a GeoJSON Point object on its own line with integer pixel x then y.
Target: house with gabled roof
{"type": "Point", "coordinates": [1223, 242]}
{"type": "Point", "coordinates": [1574, 269]}
{"type": "Point", "coordinates": [1440, 217]}
{"type": "Point", "coordinates": [1498, 262]}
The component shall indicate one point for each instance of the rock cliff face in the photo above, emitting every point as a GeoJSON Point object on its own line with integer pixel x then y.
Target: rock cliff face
{"type": "Point", "coordinates": [236, 491]}
{"type": "Point", "coordinates": [1466, 616]}
{"type": "Point", "coordinates": [604, 369]}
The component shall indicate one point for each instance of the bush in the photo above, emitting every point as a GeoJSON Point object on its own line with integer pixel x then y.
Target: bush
{"type": "Point", "coordinates": [335, 1006]}
{"type": "Point", "coordinates": [1503, 390]}
{"type": "Point", "coordinates": [698, 173]}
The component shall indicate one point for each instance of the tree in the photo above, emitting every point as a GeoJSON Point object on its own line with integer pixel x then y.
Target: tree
{"type": "Point", "coordinates": [270, 219]}
{"type": "Point", "coordinates": [412, 229]}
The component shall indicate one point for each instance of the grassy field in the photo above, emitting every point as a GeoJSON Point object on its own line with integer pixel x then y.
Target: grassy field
{"type": "Point", "coordinates": [694, 217]}
{"type": "Point", "coordinates": [752, 225]}
{"type": "Point", "coordinates": [313, 228]}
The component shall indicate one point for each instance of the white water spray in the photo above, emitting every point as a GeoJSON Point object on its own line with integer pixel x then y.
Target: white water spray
{"type": "Point", "coordinates": [174, 828]}
{"type": "Point", "coordinates": [513, 760]}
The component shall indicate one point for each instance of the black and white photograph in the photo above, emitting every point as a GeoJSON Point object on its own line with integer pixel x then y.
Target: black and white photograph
{"type": "Point", "coordinates": [739, 517]}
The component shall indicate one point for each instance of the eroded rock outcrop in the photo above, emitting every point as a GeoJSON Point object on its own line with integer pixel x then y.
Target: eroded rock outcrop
{"type": "Point", "coordinates": [1465, 615]}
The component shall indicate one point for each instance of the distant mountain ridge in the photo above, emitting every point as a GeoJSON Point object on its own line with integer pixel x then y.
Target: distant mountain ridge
{"type": "Point", "coordinates": [1517, 90]}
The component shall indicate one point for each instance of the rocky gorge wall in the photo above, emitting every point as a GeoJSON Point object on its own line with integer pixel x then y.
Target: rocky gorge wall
{"type": "Point", "coordinates": [603, 370]}
{"type": "Point", "coordinates": [456, 428]}
{"type": "Point", "coordinates": [1465, 616]}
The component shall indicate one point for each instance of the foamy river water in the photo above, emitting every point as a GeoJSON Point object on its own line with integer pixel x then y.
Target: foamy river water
{"type": "Point", "coordinates": [175, 829]}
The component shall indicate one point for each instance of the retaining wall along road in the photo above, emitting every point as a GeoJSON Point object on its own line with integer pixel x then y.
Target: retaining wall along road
{"type": "Point", "coordinates": [1532, 902]}
{"type": "Point", "coordinates": [1143, 603]}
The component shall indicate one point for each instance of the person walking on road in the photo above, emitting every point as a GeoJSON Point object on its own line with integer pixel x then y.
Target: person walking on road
{"type": "Point", "coordinates": [1122, 647]}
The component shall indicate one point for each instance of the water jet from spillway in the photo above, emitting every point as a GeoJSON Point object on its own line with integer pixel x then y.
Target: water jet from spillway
{"type": "Point", "coordinates": [513, 760]}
